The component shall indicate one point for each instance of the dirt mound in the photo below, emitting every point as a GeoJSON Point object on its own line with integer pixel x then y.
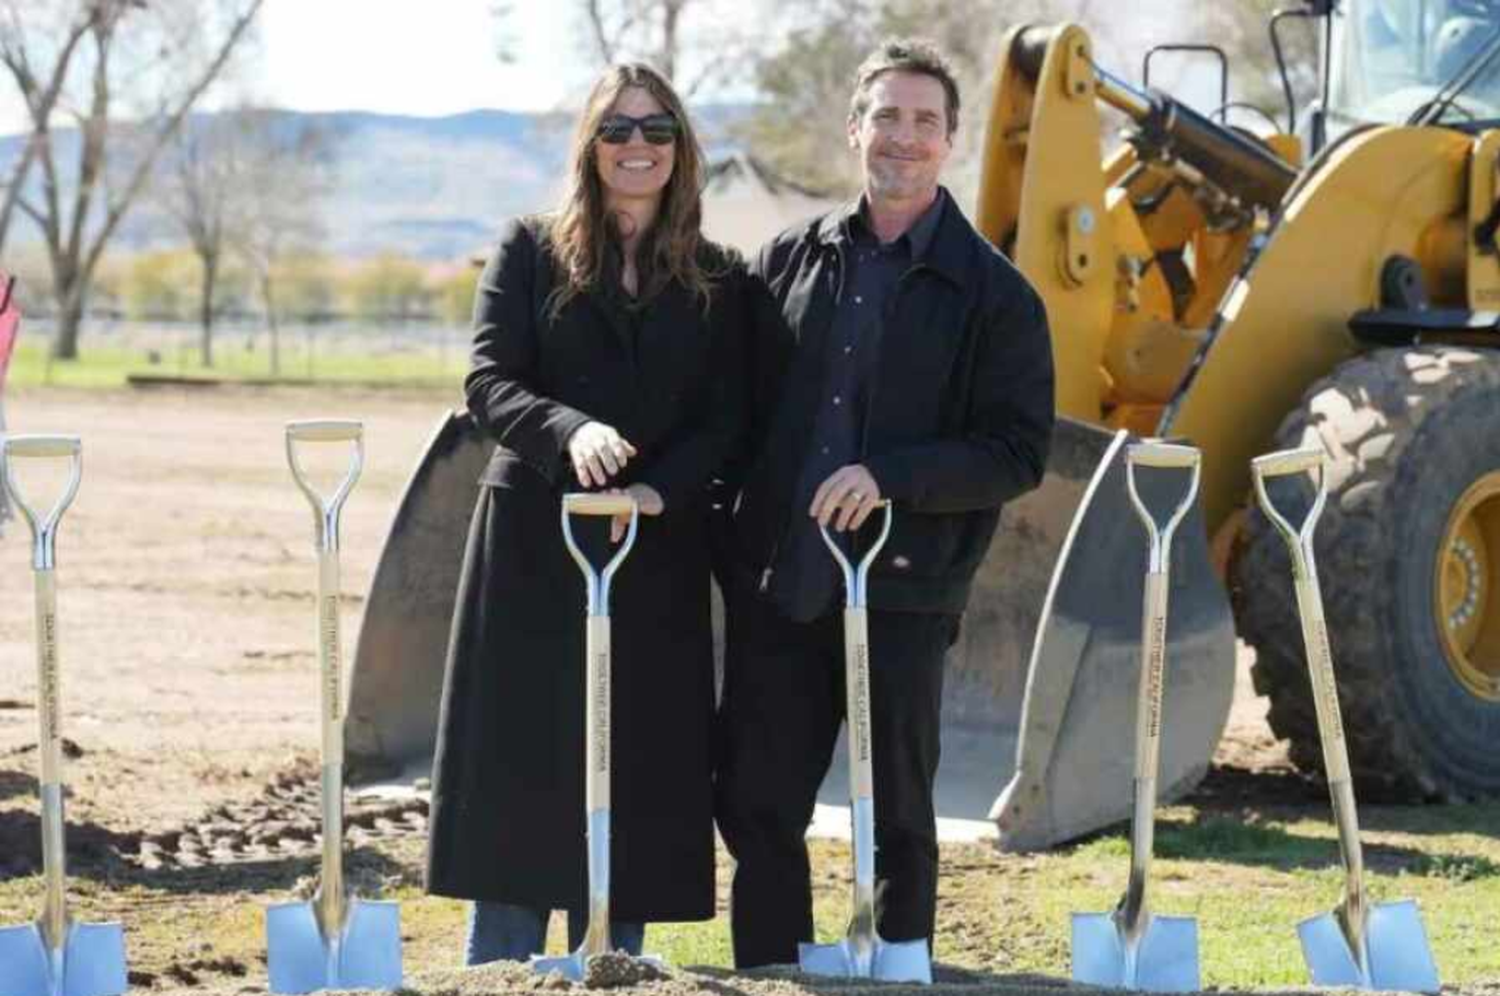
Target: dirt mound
{"type": "Point", "coordinates": [510, 979]}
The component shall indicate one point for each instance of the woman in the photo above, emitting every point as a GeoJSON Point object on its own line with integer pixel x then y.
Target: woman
{"type": "Point", "coordinates": [608, 344]}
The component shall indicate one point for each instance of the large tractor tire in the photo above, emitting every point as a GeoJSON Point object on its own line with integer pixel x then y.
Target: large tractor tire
{"type": "Point", "coordinates": [1408, 553]}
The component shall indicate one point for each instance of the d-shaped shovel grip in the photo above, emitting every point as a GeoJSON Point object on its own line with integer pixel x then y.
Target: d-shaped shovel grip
{"type": "Point", "coordinates": [326, 431]}
{"type": "Point", "coordinates": [1290, 463]}
{"type": "Point", "coordinates": [1164, 456]}
{"type": "Point", "coordinates": [598, 505]}
{"type": "Point", "coordinates": [856, 577]}
{"type": "Point", "coordinates": [43, 527]}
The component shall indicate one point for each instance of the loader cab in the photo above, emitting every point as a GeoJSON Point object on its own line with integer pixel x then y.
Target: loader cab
{"type": "Point", "coordinates": [1386, 61]}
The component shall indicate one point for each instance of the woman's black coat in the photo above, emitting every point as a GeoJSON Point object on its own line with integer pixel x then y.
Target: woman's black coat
{"type": "Point", "coordinates": [508, 820]}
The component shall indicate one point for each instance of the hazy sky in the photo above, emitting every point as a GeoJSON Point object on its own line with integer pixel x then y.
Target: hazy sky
{"type": "Point", "coordinates": [433, 57]}
{"type": "Point", "coordinates": [425, 57]}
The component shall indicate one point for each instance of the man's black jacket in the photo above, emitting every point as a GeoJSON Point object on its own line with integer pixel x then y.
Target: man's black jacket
{"type": "Point", "coordinates": [960, 413]}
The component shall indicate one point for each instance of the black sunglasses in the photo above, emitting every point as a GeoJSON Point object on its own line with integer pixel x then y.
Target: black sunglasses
{"type": "Point", "coordinates": [658, 129]}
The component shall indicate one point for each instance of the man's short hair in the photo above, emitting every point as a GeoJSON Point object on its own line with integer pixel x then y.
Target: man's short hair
{"type": "Point", "coordinates": [905, 55]}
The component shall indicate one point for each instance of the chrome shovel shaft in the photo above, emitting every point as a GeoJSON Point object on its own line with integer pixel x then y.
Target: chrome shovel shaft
{"type": "Point", "coordinates": [861, 935]}
{"type": "Point", "coordinates": [55, 956]}
{"type": "Point", "coordinates": [336, 941]}
{"type": "Point", "coordinates": [1135, 909]}
{"type": "Point", "coordinates": [598, 719]}
{"type": "Point", "coordinates": [54, 919]}
{"type": "Point", "coordinates": [1299, 542]}
{"type": "Point", "coordinates": [863, 953]}
{"type": "Point", "coordinates": [332, 899]}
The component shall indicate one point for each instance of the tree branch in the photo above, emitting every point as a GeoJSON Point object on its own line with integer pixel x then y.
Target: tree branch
{"type": "Point", "coordinates": [607, 47]}
{"type": "Point", "coordinates": [31, 211]}
{"type": "Point", "coordinates": [39, 104]}
{"type": "Point", "coordinates": [142, 173]}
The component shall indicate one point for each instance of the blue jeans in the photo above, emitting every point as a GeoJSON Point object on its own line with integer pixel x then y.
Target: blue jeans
{"type": "Point", "coordinates": [505, 932]}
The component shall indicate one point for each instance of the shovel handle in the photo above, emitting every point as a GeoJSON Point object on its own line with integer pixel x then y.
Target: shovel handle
{"type": "Point", "coordinates": [44, 533]}
{"type": "Point", "coordinates": [1163, 456]}
{"type": "Point", "coordinates": [326, 510]}
{"type": "Point", "coordinates": [598, 714]}
{"type": "Point", "coordinates": [857, 703]}
{"type": "Point", "coordinates": [1290, 463]}
{"type": "Point", "coordinates": [598, 504]}
{"type": "Point", "coordinates": [1299, 542]}
{"type": "Point", "coordinates": [28, 447]}
{"type": "Point", "coordinates": [1155, 453]}
{"type": "Point", "coordinates": [43, 527]}
{"type": "Point", "coordinates": [325, 430]}
{"type": "Point", "coordinates": [856, 577]}
{"type": "Point", "coordinates": [597, 581]}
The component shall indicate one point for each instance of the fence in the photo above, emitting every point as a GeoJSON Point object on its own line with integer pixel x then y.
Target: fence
{"type": "Point", "coordinates": [323, 351]}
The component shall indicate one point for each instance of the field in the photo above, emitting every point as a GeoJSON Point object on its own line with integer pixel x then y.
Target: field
{"type": "Point", "coordinates": [186, 576]}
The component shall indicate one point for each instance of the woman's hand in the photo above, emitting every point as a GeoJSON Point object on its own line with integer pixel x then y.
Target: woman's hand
{"type": "Point", "coordinates": [647, 501]}
{"type": "Point", "coordinates": [598, 453]}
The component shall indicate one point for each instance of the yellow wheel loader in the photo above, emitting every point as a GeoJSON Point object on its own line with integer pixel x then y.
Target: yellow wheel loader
{"type": "Point", "coordinates": [1233, 291]}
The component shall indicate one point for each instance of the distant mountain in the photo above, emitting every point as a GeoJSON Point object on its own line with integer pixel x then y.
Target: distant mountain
{"type": "Point", "coordinates": [431, 188]}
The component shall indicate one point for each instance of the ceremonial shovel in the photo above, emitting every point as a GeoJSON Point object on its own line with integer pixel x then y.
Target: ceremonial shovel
{"type": "Point", "coordinates": [1132, 947]}
{"type": "Point", "coordinates": [54, 956]}
{"type": "Point", "coordinates": [1359, 944]}
{"type": "Point", "coordinates": [335, 941]}
{"type": "Point", "coordinates": [597, 719]}
{"type": "Point", "coordinates": [862, 954]}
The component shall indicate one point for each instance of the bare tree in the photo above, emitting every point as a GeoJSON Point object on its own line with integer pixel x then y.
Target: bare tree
{"type": "Point", "coordinates": [40, 84]}
{"type": "Point", "coordinates": [804, 82]}
{"type": "Point", "coordinates": [694, 43]}
{"type": "Point", "coordinates": [203, 188]}
{"type": "Point", "coordinates": [163, 55]}
{"type": "Point", "coordinates": [284, 177]}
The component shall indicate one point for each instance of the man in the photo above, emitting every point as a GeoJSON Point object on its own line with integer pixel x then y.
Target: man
{"type": "Point", "coordinates": [914, 365]}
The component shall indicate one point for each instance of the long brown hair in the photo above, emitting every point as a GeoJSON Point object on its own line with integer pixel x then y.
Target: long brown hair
{"type": "Point", "coordinates": [582, 230]}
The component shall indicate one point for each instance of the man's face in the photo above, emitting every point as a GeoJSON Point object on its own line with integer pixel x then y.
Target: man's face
{"type": "Point", "coordinates": [902, 138]}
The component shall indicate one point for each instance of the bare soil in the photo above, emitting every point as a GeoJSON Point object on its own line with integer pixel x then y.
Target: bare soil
{"type": "Point", "coordinates": [186, 574]}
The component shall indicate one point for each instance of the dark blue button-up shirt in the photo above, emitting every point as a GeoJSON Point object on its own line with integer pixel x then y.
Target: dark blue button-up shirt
{"type": "Point", "coordinates": [805, 582]}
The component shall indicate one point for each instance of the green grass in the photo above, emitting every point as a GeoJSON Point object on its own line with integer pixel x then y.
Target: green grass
{"type": "Point", "coordinates": [1247, 877]}
{"type": "Point", "coordinates": [109, 366]}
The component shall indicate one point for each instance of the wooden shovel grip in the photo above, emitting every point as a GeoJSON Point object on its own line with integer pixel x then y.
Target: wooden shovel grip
{"type": "Point", "coordinates": [602, 504]}
{"type": "Point", "coordinates": [327, 430]}
{"type": "Point", "coordinates": [1287, 462]}
{"type": "Point", "coordinates": [1152, 453]}
{"type": "Point", "coordinates": [23, 447]}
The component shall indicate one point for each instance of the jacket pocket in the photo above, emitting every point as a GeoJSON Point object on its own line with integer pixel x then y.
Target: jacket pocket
{"type": "Point", "coordinates": [921, 546]}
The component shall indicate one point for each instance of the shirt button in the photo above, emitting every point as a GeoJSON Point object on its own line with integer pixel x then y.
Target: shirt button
{"type": "Point", "coordinates": [848, 349]}
{"type": "Point", "coordinates": [858, 299]}
{"type": "Point", "coordinates": [825, 451]}
{"type": "Point", "coordinates": [837, 400]}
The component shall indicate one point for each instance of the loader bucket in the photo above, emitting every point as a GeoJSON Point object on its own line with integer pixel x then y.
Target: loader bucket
{"type": "Point", "coordinates": [1037, 733]}
{"type": "Point", "coordinates": [1073, 763]}
{"type": "Point", "coordinates": [397, 681]}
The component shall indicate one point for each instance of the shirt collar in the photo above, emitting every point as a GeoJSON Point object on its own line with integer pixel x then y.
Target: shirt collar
{"type": "Point", "coordinates": [839, 226]}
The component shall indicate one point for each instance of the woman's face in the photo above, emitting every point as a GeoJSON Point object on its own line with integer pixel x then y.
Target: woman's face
{"type": "Point", "coordinates": [635, 168]}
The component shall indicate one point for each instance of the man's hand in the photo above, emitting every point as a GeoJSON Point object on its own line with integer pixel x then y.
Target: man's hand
{"type": "Point", "coordinates": [846, 499]}
{"type": "Point", "coordinates": [647, 501]}
{"type": "Point", "coordinates": [598, 453]}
